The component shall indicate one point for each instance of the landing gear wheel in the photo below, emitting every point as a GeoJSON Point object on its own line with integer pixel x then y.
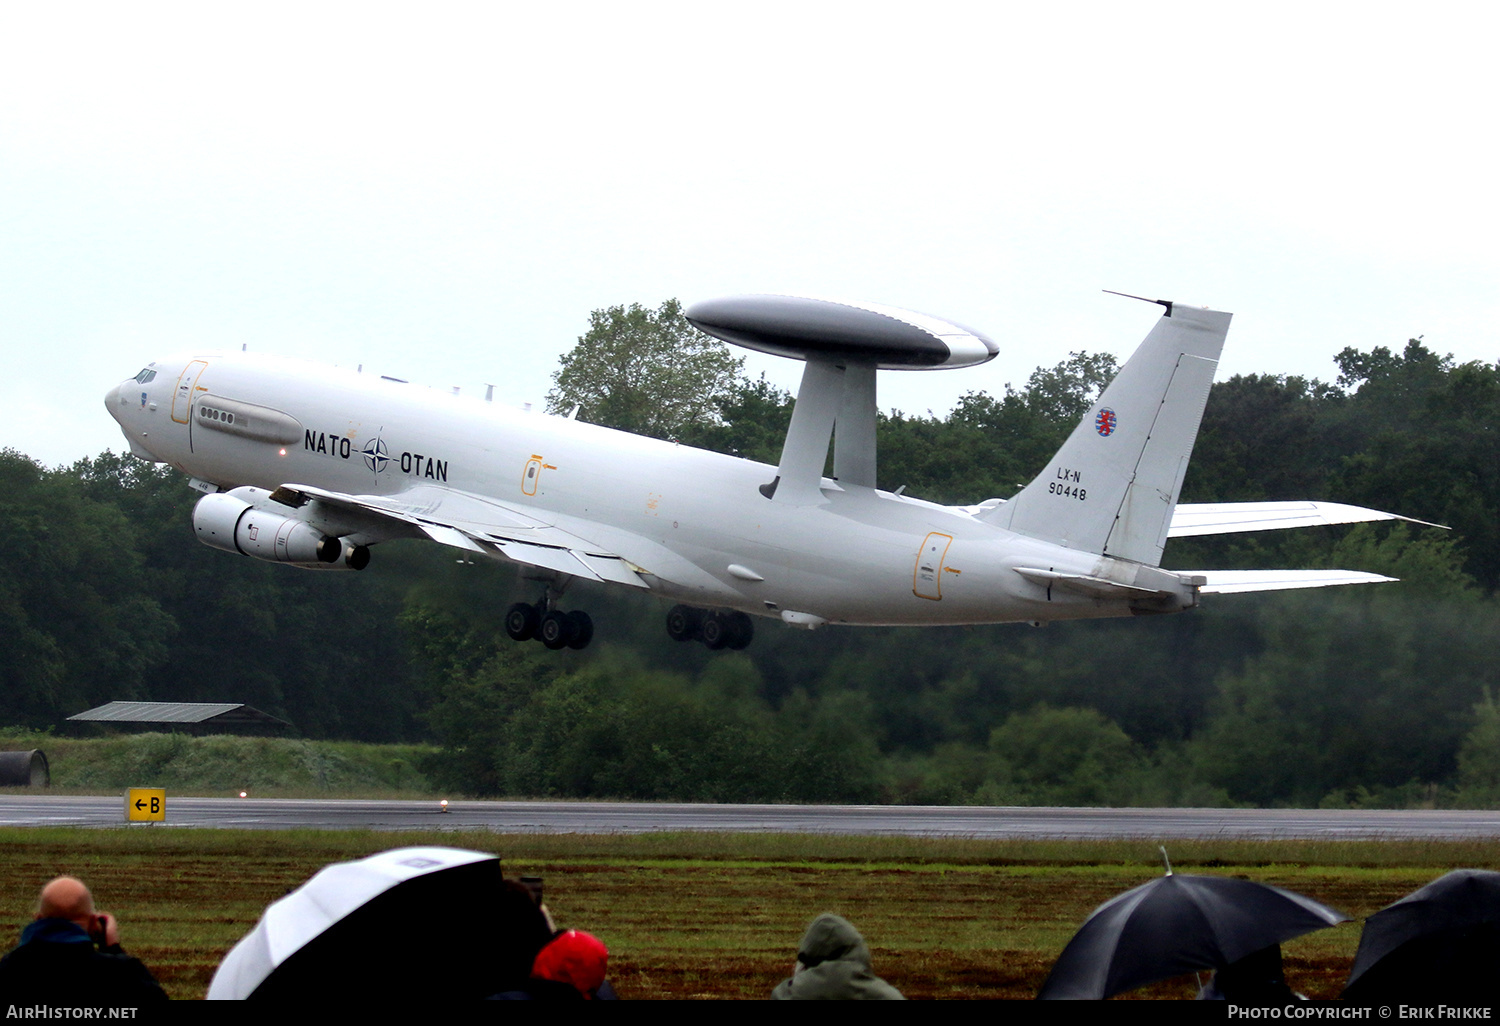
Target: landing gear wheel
{"type": "Point", "coordinates": [522, 621]}
{"type": "Point", "coordinates": [715, 631]}
{"type": "Point", "coordinates": [683, 623]}
{"type": "Point", "coordinates": [556, 630]}
{"type": "Point", "coordinates": [583, 629]}
{"type": "Point", "coordinates": [741, 630]}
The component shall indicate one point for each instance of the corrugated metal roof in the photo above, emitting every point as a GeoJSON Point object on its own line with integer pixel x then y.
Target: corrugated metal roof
{"type": "Point", "coordinates": [177, 712]}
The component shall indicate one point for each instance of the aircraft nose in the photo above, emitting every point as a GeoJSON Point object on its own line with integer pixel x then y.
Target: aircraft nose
{"type": "Point", "coordinates": [114, 399]}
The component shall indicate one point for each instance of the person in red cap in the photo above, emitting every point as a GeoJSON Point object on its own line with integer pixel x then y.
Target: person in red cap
{"type": "Point", "coordinates": [570, 968]}
{"type": "Point", "coordinates": [575, 959]}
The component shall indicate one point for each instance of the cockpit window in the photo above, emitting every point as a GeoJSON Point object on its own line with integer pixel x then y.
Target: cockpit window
{"type": "Point", "coordinates": [145, 376]}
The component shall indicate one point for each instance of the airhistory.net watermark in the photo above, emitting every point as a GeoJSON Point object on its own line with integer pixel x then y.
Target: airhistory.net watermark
{"type": "Point", "coordinates": [66, 1012]}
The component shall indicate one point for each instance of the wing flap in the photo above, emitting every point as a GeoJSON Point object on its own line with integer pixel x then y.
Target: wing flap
{"type": "Point", "coordinates": [546, 557]}
{"type": "Point", "coordinates": [428, 504]}
{"type": "Point", "coordinates": [475, 524]}
{"type": "Point", "coordinates": [616, 569]}
{"type": "Point", "coordinates": [450, 536]}
{"type": "Point", "coordinates": [1232, 582]}
{"type": "Point", "coordinates": [1191, 519]}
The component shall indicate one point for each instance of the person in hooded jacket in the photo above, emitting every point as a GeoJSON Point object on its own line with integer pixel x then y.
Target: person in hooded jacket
{"type": "Point", "coordinates": [833, 964]}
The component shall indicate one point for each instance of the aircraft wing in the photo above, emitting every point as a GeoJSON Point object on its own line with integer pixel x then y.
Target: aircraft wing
{"type": "Point", "coordinates": [467, 521]}
{"type": "Point", "coordinates": [1229, 582]}
{"type": "Point", "coordinates": [1197, 518]}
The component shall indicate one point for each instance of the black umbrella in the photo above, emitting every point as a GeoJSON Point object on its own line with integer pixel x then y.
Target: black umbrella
{"type": "Point", "coordinates": [1175, 925]}
{"type": "Point", "coordinates": [1440, 943]}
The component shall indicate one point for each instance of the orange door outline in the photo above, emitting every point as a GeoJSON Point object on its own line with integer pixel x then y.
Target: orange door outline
{"type": "Point", "coordinates": [530, 474]}
{"type": "Point", "coordinates": [927, 575]}
{"type": "Point", "coordinates": [182, 399]}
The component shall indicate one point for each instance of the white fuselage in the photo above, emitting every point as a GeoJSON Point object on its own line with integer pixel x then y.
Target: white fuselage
{"type": "Point", "coordinates": [694, 521]}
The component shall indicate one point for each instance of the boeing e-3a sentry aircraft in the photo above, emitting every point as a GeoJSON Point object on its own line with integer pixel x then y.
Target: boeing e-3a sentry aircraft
{"type": "Point", "coordinates": [312, 465]}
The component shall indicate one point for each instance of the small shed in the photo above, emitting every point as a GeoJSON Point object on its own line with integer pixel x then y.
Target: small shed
{"type": "Point", "coordinates": [200, 717]}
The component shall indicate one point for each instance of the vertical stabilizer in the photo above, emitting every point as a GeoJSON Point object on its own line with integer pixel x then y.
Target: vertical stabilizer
{"type": "Point", "coordinates": [1112, 486]}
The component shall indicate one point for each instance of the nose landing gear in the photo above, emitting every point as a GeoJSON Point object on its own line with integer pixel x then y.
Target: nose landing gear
{"type": "Point", "coordinates": [717, 628]}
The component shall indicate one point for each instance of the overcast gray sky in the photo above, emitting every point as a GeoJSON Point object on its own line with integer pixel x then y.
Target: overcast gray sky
{"type": "Point", "coordinates": [443, 193]}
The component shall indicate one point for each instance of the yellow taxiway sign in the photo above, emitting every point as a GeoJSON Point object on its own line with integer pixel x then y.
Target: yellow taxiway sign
{"type": "Point", "coordinates": [146, 804]}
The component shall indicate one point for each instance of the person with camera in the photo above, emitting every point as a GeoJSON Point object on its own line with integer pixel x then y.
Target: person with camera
{"type": "Point", "coordinates": [71, 953]}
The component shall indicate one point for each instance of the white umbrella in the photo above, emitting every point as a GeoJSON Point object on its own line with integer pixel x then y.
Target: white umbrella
{"type": "Point", "coordinates": [333, 897]}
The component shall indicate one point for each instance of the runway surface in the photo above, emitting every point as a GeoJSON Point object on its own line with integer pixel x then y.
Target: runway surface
{"type": "Point", "coordinates": [623, 817]}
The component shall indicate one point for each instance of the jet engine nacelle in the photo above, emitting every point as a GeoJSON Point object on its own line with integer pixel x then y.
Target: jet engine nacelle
{"type": "Point", "coordinates": [225, 521]}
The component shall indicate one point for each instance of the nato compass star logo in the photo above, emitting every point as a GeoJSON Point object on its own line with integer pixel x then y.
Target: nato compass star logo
{"type": "Point", "coordinates": [1106, 422]}
{"type": "Point", "coordinates": [375, 454]}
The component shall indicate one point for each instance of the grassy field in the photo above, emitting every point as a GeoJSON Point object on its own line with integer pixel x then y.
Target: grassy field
{"type": "Point", "coordinates": [719, 916]}
{"type": "Point", "coordinates": [222, 764]}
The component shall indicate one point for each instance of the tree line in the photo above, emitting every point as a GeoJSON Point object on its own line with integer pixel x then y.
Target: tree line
{"type": "Point", "coordinates": [1373, 695]}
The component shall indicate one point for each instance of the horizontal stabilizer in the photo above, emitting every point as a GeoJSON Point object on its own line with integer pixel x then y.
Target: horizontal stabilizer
{"type": "Point", "coordinates": [1231, 582]}
{"type": "Point", "coordinates": [1096, 587]}
{"type": "Point", "coordinates": [1198, 518]}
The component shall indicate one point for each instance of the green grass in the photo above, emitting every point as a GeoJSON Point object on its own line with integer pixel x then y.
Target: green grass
{"type": "Point", "coordinates": [222, 764]}
{"type": "Point", "coordinates": [719, 915]}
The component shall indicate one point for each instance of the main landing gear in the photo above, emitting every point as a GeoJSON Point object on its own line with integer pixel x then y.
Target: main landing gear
{"type": "Point", "coordinates": [552, 627]}
{"type": "Point", "coordinates": [716, 628]}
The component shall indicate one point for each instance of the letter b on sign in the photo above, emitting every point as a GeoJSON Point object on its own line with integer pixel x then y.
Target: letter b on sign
{"type": "Point", "coordinates": [145, 804]}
